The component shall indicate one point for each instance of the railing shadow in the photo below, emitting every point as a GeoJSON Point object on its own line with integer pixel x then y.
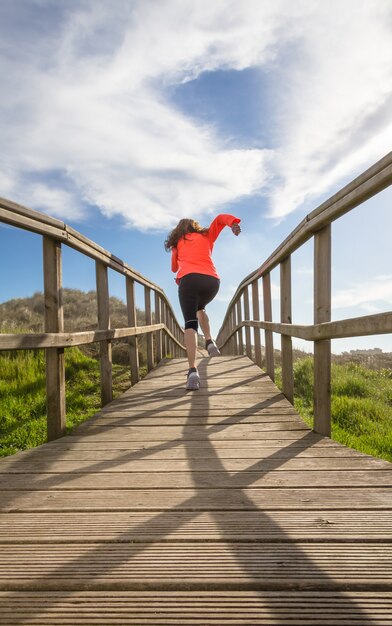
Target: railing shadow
{"type": "Point", "coordinates": [107, 559]}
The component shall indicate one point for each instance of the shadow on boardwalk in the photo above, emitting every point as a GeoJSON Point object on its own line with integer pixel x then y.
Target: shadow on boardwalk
{"type": "Point", "coordinates": [163, 564]}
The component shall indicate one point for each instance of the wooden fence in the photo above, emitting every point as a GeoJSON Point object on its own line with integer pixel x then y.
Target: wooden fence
{"type": "Point", "coordinates": [317, 225]}
{"type": "Point", "coordinates": [165, 332]}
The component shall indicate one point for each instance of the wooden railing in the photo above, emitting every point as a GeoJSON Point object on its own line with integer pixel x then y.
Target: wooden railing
{"type": "Point", "coordinates": [317, 225]}
{"type": "Point", "coordinates": [165, 332]}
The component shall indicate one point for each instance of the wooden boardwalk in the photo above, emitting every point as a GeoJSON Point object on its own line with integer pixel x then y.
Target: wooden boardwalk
{"type": "Point", "coordinates": [211, 507]}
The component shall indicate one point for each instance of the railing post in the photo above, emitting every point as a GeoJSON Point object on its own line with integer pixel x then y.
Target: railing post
{"type": "Point", "coordinates": [256, 316]}
{"type": "Point", "coordinates": [170, 327]}
{"type": "Point", "coordinates": [132, 321]}
{"type": "Point", "coordinates": [175, 331]}
{"type": "Point", "coordinates": [248, 345]}
{"type": "Point", "coordinates": [54, 323]}
{"type": "Point", "coordinates": [285, 316]}
{"type": "Point", "coordinates": [322, 349]}
{"type": "Point", "coordinates": [240, 332]}
{"type": "Point", "coordinates": [268, 337]}
{"type": "Point", "coordinates": [158, 334]}
{"type": "Point", "coordinates": [165, 343]}
{"type": "Point", "coordinates": [147, 308]}
{"type": "Point", "coordinates": [229, 329]}
{"type": "Point", "coordinates": [222, 338]}
{"type": "Point", "coordinates": [104, 324]}
{"type": "Point", "coordinates": [235, 339]}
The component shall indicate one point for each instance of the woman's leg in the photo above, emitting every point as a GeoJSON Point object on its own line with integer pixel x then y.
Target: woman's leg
{"type": "Point", "coordinates": [191, 346]}
{"type": "Point", "coordinates": [204, 324]}
{"type": "Point", "coordinates": [188, 296]}
{"type": "Point", "coordinates": [208, 292]}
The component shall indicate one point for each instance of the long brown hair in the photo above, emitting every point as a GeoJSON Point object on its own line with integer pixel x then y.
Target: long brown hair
{"type": "Point", "coordinates": [183, 228]}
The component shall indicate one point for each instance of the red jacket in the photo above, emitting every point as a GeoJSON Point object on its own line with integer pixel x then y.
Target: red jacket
{"type": "Point", "coordinates": [193, 254]}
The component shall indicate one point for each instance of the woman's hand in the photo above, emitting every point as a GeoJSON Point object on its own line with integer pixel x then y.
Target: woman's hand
{"type": "Point", "coordinates": [236, 229]}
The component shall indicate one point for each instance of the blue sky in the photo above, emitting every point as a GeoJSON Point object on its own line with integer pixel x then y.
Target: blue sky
{"type": "Point", "coordinates": [120, 119]}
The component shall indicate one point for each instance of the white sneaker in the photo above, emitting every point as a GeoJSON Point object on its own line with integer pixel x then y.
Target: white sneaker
{"type": "Point", "coordinates": [193, 381]}
{"type": "Point", "coordinates": [212, 349]}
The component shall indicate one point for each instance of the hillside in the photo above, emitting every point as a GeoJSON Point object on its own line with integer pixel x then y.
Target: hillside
{"type": "Point", "coordinates": [80, 313]}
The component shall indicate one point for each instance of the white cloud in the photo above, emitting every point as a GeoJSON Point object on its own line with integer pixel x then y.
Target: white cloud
{"type": "Point", "coordinates": [100, 119]}
{"type": "Point", "coordinates": [336, 115]}
{"type": "Point", "coordinates": [85, 101]}
{"type": "Point", "coordinates": [370, 296]}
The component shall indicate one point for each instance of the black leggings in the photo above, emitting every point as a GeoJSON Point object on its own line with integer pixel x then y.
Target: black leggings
{"type": "Point", "coordinates": [195, 292]}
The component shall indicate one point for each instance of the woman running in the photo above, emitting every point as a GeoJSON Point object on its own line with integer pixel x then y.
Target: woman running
{"type": "Point", "coordinates": [191, 247]}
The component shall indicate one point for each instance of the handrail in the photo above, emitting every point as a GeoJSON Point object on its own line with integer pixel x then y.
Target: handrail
{"type": "Point", "coordinates": [317, 225]}
{"type": "Point", "coordinates": [166, 332]}
{"type": "Point", "coordinates": [368, 184]}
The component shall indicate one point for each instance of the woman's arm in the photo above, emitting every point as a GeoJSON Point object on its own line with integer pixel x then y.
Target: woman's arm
{"type": "Point", "coordinates": [174, 260]}
{"type": "Point", "coordinates": [218, 224]}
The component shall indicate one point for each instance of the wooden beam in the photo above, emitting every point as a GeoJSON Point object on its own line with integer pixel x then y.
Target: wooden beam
{"type": "Point", "coordinates": [132, 321]}
{"type": "Point", "coordinates": [256, 316]}
{"type": "Point", "coordinates": [32, 341]}
{"type": "Point", "coordinates": [322, 348]}
{"type": "Point", "coordinates": [25, 221]}
{"type": "Point", "coordinates": [147, 309]}
{"type": "Point", "coordinates": [54, 323]}
{"type": "Point", "coordinates": [248, 345]}
{"type": "Point", "coordinates": [377, 324]}
{"type": "Point", "coordinates": [268, 338]}
{"type": "Point", "coordinates": [165, 344]}
{"type": "Point", "coordinates": [104, 324]}
{"type": "Point", "coordinates": [234, 325]}
{"type": "Point", "coordinates": [285, 315]}
{"type": "Point", "coordinates": [239, 333]}
{"type": "Point", "coordinates": [158, 335]}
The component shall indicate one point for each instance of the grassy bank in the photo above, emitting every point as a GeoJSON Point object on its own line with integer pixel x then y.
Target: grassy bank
{"type": "Point", "coordinates": [22, 395]}
{"type": "Point", "coordinates": [361, 405]}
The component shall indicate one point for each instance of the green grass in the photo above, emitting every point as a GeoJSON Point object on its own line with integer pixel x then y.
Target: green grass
{"type": "Point", "coordinates": [361, 405]}
{"type": "Point", "coordinates": [23, 395]}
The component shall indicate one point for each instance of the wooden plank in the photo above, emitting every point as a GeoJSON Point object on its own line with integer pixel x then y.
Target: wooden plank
{"type": "Point", "coordinates": [213, 463]}
{"type": "Point", "coordinates": [54, 323]}
{"type": "Point", "coordinates": [212, 566]}
{"type": "Point", "coordinates": [170, 433]}
{"type": "Point", "coordinates": [190, 608]}
{"type": "Point", "coordinates": [115, 451]}
{"type": "Point", "coordinates": [217, 526]}
{"type": "Point", "coordinates": [376, 324]}
{"type": "Point", "coordinates": [52, 230]}
{"type": "Point", "coordinates": [26, 341]}
{"type": "Point", "coordinates": [20, 210]}
{"type": "Point", "coordinates": [281, 498]}
{"type": "Point", "coordinates": [195, 418]}
{"type": "Point", "coordinates": [250, 479]}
